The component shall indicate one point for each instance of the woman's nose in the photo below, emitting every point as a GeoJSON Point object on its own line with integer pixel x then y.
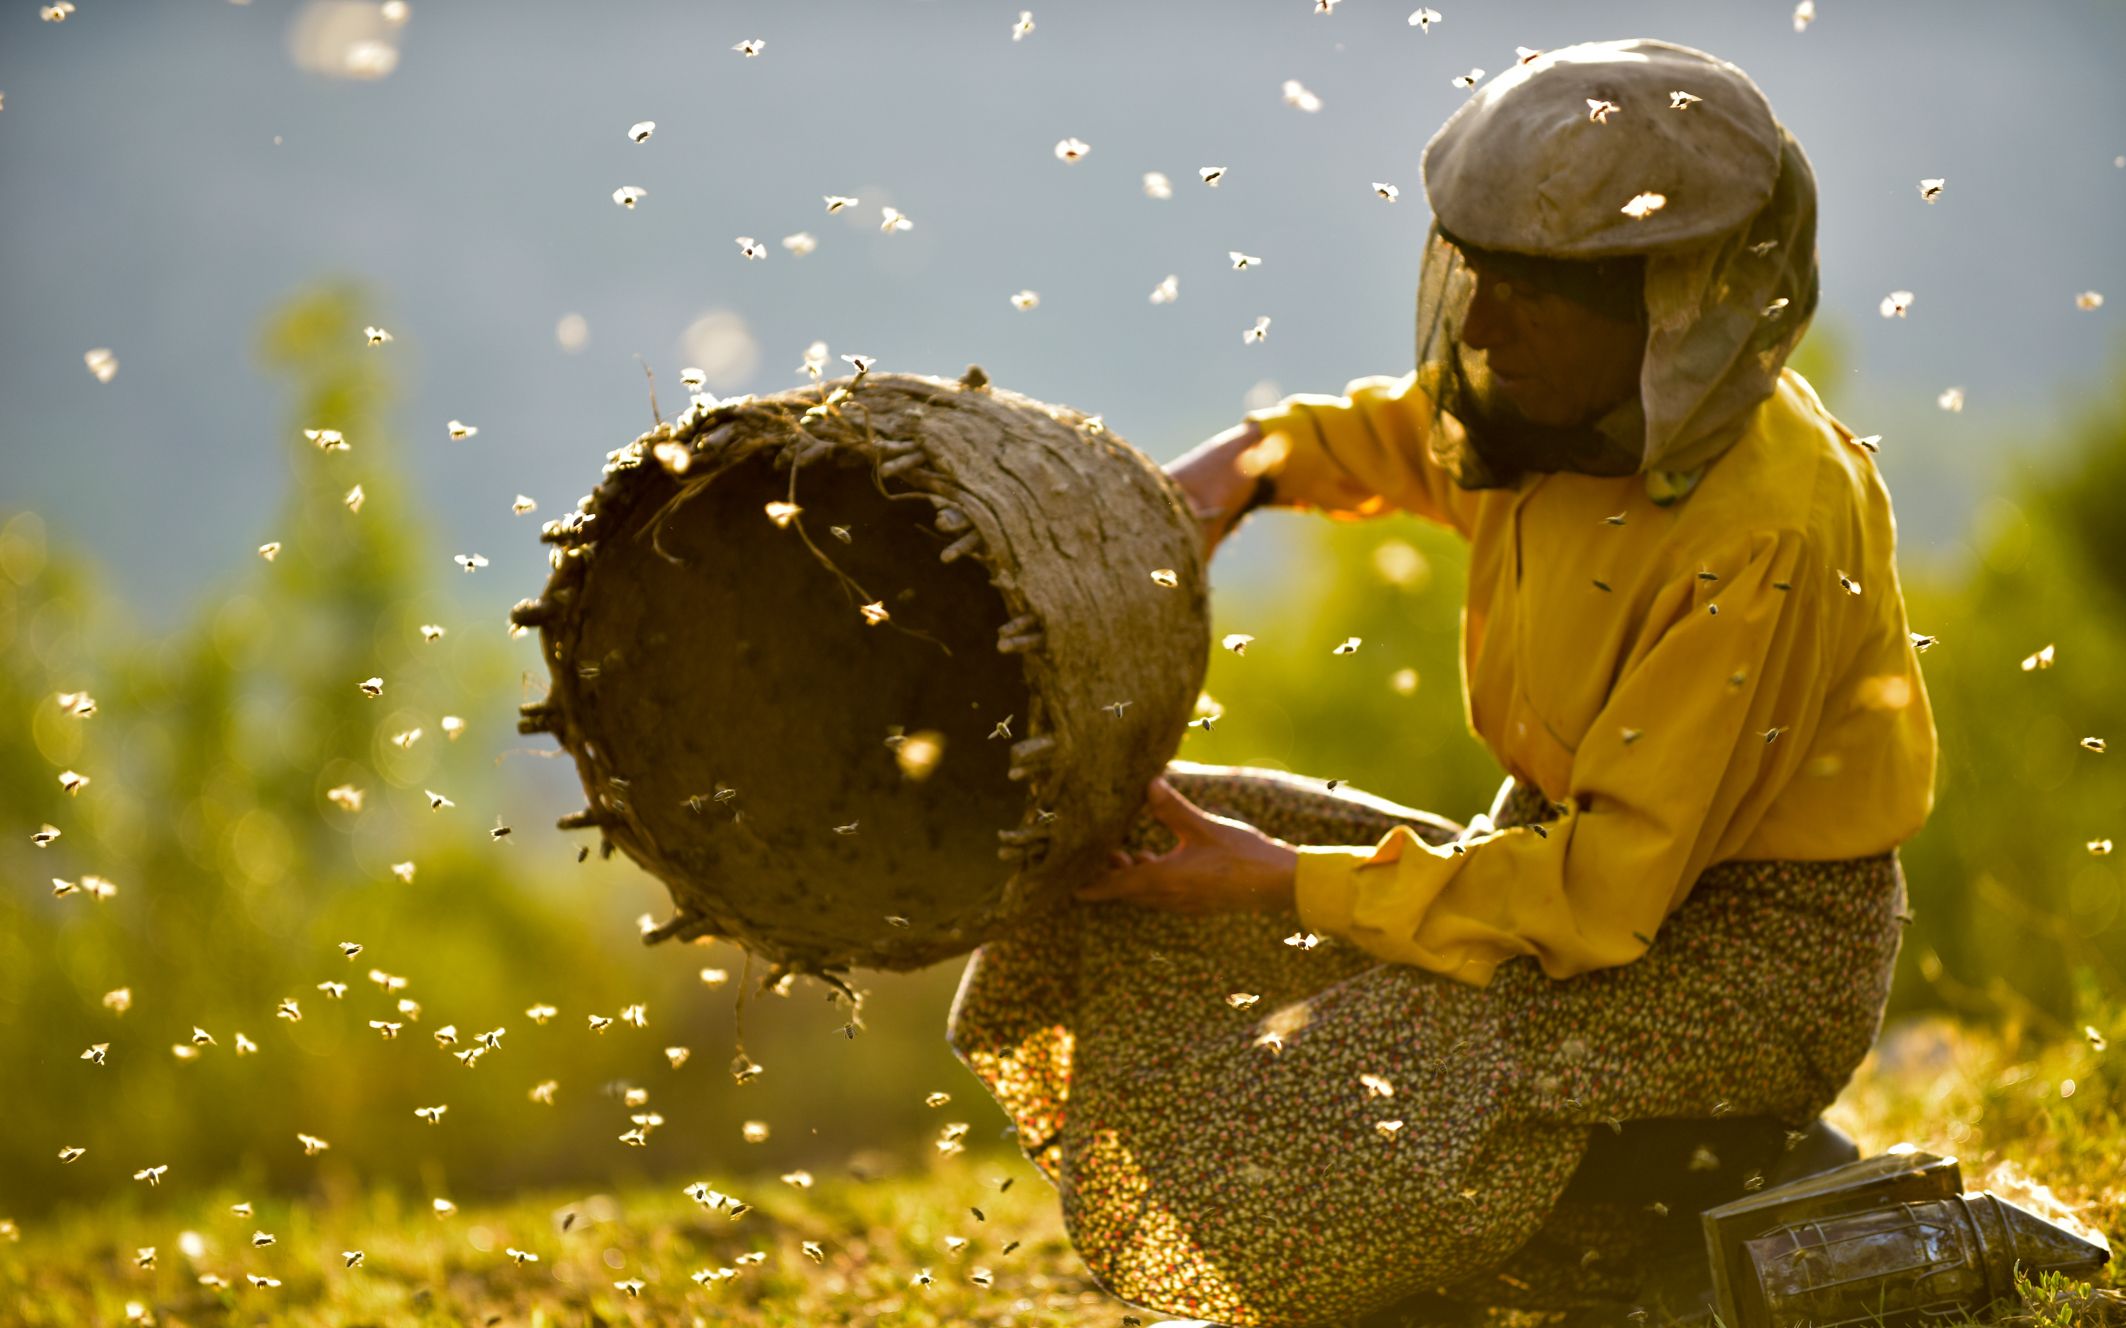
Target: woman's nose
{"type": "Point", "coordinates": [1484, 326]}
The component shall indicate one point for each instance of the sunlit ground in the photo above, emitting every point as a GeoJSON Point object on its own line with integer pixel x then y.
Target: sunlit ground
{"type": "Point", "coordinates": [937, 1240]}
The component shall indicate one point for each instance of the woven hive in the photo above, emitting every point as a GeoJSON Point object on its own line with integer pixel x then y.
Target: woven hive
{"type": "Point", "coordinates": [743, 728]}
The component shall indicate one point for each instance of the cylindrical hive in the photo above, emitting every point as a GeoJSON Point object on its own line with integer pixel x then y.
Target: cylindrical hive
{"type": "Point", "coordinates": [752, 695]}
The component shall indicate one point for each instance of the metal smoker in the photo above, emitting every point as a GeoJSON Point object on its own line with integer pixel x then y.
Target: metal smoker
{"type": "Point", "coordinates": [1886, 1241]}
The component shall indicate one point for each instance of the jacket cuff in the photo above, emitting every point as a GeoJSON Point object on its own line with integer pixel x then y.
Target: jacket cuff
{"type": "Point", "coordinates": [1322, 887]}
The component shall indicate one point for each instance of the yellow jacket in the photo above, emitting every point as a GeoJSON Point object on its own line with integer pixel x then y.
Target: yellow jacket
{"type": "Point", "coordinates": [1730, 676]}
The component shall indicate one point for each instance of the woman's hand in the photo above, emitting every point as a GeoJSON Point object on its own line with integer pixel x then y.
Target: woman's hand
{"type": "Point", "coordinates": [1216, 485]}
{"type": "Point", "coordinates": [1220, 865]}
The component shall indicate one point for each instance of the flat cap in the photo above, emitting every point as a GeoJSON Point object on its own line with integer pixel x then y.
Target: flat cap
{"type": "Point", "coordinates": [1533, 162]}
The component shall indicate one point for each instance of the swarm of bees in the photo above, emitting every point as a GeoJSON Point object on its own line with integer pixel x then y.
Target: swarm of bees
{"type": "Point", "coordinates": [348, 797]}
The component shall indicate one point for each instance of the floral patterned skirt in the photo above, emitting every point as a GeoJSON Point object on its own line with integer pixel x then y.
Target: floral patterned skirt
{"type": "Point", "coordinates": [1361, 1132]}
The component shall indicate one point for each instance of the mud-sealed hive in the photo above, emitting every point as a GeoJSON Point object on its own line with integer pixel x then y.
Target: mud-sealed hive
{"type": "Point", "coordinates": [867, 670]}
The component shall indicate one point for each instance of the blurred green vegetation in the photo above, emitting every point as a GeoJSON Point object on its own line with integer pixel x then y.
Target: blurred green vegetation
{"type": "Point", "coordinates": [212, 757]}
{"type": "Point", "coordinates": [213, 754]}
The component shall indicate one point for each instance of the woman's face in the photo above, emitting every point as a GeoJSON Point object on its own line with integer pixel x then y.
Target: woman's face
{"type": "Point", "coordinates": [1556, 361]}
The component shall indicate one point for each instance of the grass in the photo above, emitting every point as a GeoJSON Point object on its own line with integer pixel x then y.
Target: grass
{"type": "Point", "coordinates": [2002, 1104]}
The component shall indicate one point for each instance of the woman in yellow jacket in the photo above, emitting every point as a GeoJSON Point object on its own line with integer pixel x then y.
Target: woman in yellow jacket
{"type": "Point", "coordinates": [1684, 642]}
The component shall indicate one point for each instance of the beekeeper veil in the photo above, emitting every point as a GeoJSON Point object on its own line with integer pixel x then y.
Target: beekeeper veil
{"type": "Point", "coordinates": [1663, 160]}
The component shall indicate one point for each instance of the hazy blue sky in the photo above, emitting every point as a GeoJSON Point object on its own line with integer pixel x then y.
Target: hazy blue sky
{"type": "Point", "coordinates": [168, 173]}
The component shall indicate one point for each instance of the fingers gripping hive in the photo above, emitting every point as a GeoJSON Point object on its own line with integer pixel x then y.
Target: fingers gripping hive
{"type": "Point", "coordinates": [840, 665]}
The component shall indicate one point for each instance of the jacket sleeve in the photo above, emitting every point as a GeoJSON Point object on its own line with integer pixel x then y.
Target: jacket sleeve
{"type": "Point", "coordinates": [1671, 776]}
{"type": "Point", "coordinates": [1359, 455]}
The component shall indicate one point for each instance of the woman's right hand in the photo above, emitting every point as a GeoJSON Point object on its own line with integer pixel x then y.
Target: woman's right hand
{"type": "Point", "coordinates": [1217, 488]}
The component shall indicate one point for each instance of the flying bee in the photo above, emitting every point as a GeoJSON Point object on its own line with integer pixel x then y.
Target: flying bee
{"type": "Point", "coordinates": [1468, 80]}
{"type": "Point", "coordinates": [353, 1258]}
{"type": "Point", "coordinates": [1347, 646]}
{"type": "Point", "coordinates": [471, 562]}
{"type": "Point", "coordinates": [751, 247]}
{"type": "Point", "coordinates": [333, 990]}
{"type": "Point", "coordinates": [1116, 708]}
{"type": "Point", "coordinates": [1641, 206]}
{"type": "Point", "coordinates": [312, 1145]}
{"type": "Point", "coordinates": [289, 1010]}
{"type": "Point", "coordinates": [433, 1115]}
{"type": "Point", "coordinates": [1211, 175]}
{"type": "Point", "coordinates": [749, 48]}
{"type": "Point", "coordinates": [1242, 262]}
{"type": "Point", "coordinates": [152, 1175]}
{"type": "Point", "coordinates": [388, 1029]}
{"type": "Point", "coordinates": [1682, 101]}
{"type": "Point", "coordinates": [1386, 191]}
{"type": "Point", "coordinates": [69, 1153]}
{"type": "Point", "coordinates": [1599, 110]}
{"type": "Point", "coordinates": [261, 1239]}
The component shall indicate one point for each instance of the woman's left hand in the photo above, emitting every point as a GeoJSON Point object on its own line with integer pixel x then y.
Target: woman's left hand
{"type": "Point", "coordinates": [1220, 865]}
